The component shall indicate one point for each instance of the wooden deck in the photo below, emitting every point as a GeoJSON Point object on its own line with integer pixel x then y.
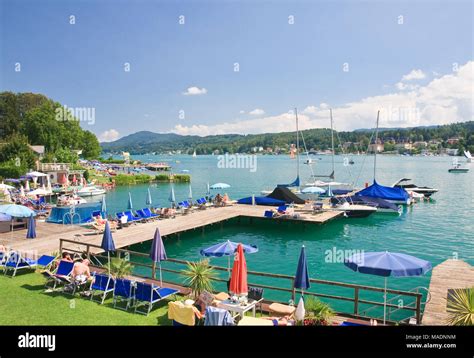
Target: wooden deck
{"type": "Point", "coordinates": [447, 275]}
{"type": "Point", "coordinates": [48, 235]}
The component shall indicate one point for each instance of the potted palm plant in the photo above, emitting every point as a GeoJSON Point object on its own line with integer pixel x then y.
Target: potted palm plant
{"type": "Point", "coordinates": [460, 307]}
{"type": "Point", "coordinates": [120, 268]}
{"type": "Point", "coordinates": [198, 276]}
{"type": "Point", "coordinates": [318, 313]}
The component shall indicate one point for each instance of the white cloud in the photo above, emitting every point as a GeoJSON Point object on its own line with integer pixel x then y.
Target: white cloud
{"type": "Point", "coordinates": [414, 75]}
{"type": "Point", "coordinates": [257, 112]}
{"type": "Point", "coordinates": [405, 86]}
{"type": "Point", "coordinates": [194, 91]}
{"type": "Point", "coordinates": [242, 112]}
{"type": "Point", "coordinates": [109, 136]}
{"type": "Point", "coordinates": [446, 99]}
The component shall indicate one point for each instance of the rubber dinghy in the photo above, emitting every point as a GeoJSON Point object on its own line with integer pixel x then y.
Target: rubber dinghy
{"type": "Point", "coordinates": [393, 195]}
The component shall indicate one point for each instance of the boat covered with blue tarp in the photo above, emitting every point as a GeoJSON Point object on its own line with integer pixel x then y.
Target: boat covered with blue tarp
{"type": "Point", "coordinates": [261, 200]}
{"type": "Point", "coordinates": [393, 195]}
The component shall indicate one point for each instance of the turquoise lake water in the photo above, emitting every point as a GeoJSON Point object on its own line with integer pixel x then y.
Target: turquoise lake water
{"type": "Point", "coordinates": [434, 231]}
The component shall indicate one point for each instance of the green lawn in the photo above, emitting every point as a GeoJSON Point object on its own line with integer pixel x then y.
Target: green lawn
{"type": "Point", "coordinates": [24, 302]}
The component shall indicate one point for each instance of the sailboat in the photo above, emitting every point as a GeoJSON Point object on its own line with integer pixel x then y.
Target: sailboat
{"type": "Point", "coordinates": [395, 195]}
{"type": "Point", "coordinates": [296, 183]}
{"type": "Point", "coordinates": [194, 154]}
{"type": "Point", "coordinates": [468, 155]}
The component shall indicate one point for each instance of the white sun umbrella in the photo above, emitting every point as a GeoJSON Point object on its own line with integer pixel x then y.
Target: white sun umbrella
{"type": "Point", "coordinates": [190, 194]}
{"type": "Point", "coordinates": [38, 191]}
{"type": "Point", "coordinates": [218, 186]}
{"type": "Point", "coordinates": [313, 190]}
{"type": "Point", "coordinates": [6, 186]}
{"type": "Point", "coordinates": [27, 185]}
{"type": "Point", "coordinates": [22, 190]}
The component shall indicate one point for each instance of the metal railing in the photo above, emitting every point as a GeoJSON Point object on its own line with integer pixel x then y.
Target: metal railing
{"type": "Point", "coordinates": [355, 297]}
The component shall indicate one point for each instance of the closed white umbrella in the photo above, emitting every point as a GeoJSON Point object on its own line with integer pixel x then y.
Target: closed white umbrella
{"type": "Point", "coordinates": [300, 310]}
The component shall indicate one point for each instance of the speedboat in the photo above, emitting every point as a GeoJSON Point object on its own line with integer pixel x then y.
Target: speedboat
{"type": "Point", "coordinates": [383, 206]}
{"type": "Point", "coordinates": [458, 168]}
{"type": "Point", "coordinates": [351, 210]}
{"type": "Point", "coordinates": [412, 188]}
{"type": "Point", "coordinates": [90, 190]}
{"type": "Point", "coordinates": [68, 200]}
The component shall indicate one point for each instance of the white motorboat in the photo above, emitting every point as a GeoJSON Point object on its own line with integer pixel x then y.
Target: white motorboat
{"type": "Point", "coordinates": [68, 200]}
{"type": "Point", "coordinates": [354, 210]}
{"type": "Point", "coordinates": [413, 189]}
{"type": "Point", "coordinates": [90, 190]}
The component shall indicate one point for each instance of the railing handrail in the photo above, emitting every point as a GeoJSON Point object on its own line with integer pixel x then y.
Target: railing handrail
{"type": "Point", "coordinates": [357, 301]}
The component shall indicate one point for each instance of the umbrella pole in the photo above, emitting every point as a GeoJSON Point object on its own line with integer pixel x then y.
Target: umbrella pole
{"type": "Point", "coordinates": [228, 265]}
{"type": "Point", "coordinates": [385, 302]}
{"type": "Point", "coordinates": [108, 260]}
{"type": "Point", "coordinates": [161, 278]}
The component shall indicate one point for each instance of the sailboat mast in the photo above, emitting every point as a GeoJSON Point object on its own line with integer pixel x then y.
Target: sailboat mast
{"type": "Point", "coordinates": [376, 140]}
{"type": "Point", "coordinates": [297, 147]}
{"type": "Point", "coordinates": [332, 141]}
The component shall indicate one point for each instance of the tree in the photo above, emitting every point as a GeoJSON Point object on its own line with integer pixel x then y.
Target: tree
{"type": "Point", "coordinates": [17, 151]}
{"type": "Point", "coordinates": [90, 145]}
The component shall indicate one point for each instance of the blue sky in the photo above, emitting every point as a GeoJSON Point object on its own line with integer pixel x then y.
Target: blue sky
{"type": "Point", "coordinates": [282, 65]}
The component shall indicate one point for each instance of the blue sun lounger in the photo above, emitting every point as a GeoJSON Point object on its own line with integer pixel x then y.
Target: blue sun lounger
{"type": "Point", "coordinates": [123, 292]}
{"type": "Point", "coordinates": [143, 215]}
{"type": "Point", "coordinates": [62, 276]}
{"type": "Point", "coordinates": [268, 214]}
{"type": "Point", "coordinates": [147, 295]}
{"type": "Point", "coordinates": [103, 285]}
{"type": "Point", "coordinates": [148, 212]}
{"type": "Point", "coordinates": [16, 261]}
{"type": "Point", "coordinates": [132, 217]}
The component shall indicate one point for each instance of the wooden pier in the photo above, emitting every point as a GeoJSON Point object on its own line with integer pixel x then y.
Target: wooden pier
{"type": "Point", "coordinates": [450, 274]}
{"type": "Point", "coordinates": [48, 235]}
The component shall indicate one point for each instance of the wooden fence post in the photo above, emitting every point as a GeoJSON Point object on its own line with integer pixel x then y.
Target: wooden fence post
{"type": "Point", "coordinates": [356, 300]}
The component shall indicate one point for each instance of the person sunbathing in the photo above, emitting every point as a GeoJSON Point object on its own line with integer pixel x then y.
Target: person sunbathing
{"type": "Point", "coordinates": [81, 271]}
{"type": "Point", "coordinates": [66, 256]}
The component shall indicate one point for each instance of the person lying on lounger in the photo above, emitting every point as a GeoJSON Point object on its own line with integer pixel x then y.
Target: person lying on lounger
{"type": "Point", "coordinates": [66, 256]}
{"type": "Point", "coordinates": [81, 271]}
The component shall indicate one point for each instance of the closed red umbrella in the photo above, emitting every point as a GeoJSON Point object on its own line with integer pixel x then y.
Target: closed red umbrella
{"type": "Point", "coordinates": [238, 280]}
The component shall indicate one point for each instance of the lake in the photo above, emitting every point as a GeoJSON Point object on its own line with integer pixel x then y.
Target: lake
{"type": "Point", "coordinates": [434, 231]}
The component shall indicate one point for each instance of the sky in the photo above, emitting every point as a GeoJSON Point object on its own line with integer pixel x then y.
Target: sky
{"type": "Point", "coordinates": [215, 67]}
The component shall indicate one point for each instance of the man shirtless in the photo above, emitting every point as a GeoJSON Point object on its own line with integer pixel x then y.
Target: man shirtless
{"type": "Point", "coordinates": [81, 271]}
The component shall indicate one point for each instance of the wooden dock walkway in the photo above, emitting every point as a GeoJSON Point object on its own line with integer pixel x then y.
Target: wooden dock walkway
{"type": "Point", "coordinates": [48, 235]}
{"type": "Point", "coordinates": [449, 274]}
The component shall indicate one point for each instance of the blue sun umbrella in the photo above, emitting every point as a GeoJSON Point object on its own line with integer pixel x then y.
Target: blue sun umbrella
{"type": "Point", "coordinates": [107, 242]}
{"type": "Point", "coordinates": [158, 253]}
{"type": "Point", "coordinates": [227, 248]}
{"type": "Point", "coordinates": [130, 204]}
{"type": "Point", "coordinates": [387, 264]}
{"type": "Point", "coordinates": [31, 233]}
{"type": "Point", "coordinates": [18, 211]}
{"type": "Point", "coordinates": [148, 198]}
{"type": "Point", "coordinates": [172, 198]}
{"type": "Point", "coordinates": [302, 276]}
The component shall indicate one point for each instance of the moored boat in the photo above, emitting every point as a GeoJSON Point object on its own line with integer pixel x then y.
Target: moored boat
{"type": "Point", "coordinates": [410, 187]}
{"type": "Point", "coordinates": [90, 190]}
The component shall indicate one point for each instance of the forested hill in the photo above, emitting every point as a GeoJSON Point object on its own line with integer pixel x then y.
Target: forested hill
{"type": "Point", "coordinates": [318, 139]}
